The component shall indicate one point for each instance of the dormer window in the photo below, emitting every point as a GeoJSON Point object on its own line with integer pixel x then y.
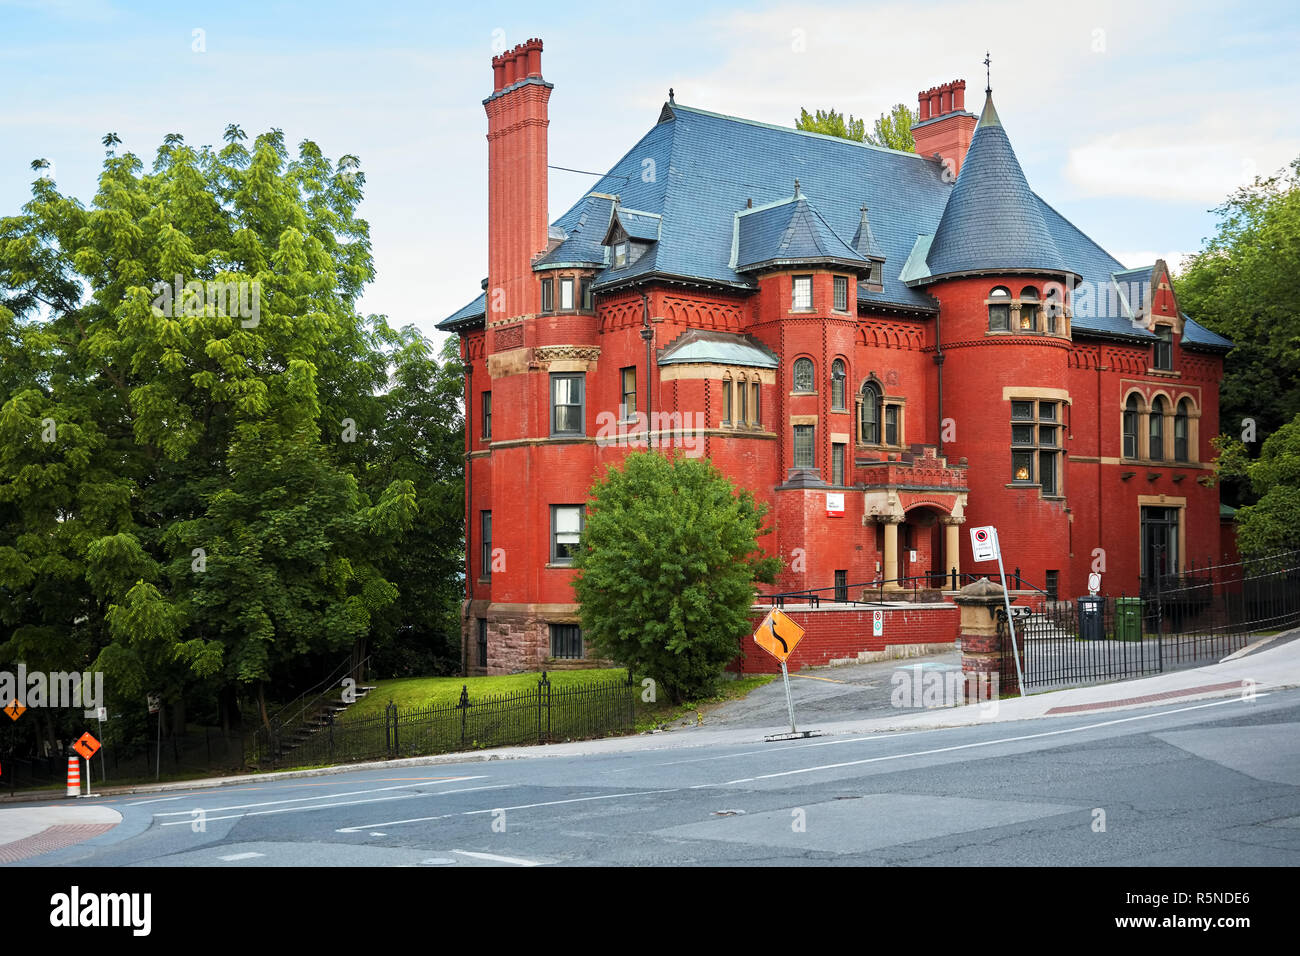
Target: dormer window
{"type": "Point", "coordinates": [620, 255]}
{"type": "Point", "coordinates": [1164, 349]}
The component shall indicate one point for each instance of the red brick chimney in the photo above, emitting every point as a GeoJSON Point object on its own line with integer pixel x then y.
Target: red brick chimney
{"type": "Point", "coordinates": [517, 207]}
{"type": "Point", "coordinates": [945, 127]}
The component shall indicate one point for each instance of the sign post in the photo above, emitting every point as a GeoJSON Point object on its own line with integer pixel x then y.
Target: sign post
{"type": "Point", "coordinates": [778, 635]}
{"type": "Point", "coordinates": [87, 746]}
{"type": "Point", "coordinates": [155, 707]}
{"type": "Point", "coordinates": [985, 547]}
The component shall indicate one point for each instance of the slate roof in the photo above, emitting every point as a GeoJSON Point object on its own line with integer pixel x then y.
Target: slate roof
{"type": "Point", "coordinates": [993, 220]}
{"type": "Point", "coordinates": [788, 232]}
{"type": "Point", "coordinates": [643, 226]}
{"type": "Point", "coordinates": [722, 348]}
{"type": "Point", "coordinates": [468, 315]}
{"type": "Point", "coordinates": [707, 167]}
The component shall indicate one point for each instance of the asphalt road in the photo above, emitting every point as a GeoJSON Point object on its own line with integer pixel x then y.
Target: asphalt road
{"type": "Point", "coordinates": [1201, 783]}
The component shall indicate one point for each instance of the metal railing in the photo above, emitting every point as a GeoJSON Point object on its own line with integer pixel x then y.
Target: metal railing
{"type": "Point", "coordinates": [952, 580]}
{"type": "Point", "coordinates": [542, 715]}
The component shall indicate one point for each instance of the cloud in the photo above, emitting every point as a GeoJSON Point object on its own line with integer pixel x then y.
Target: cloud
{"type": "Point", "coordinates": [1182, 168]}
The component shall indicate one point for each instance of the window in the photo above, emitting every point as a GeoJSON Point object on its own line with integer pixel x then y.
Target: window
{"type": "Point", "coordinates": [726, 401]}
{"type": "Point", "coordinates": [566, 641]}
{"type": "Point", "coordinates": [756, 404]}
{"type": "Point", "coordinates": [620, 255]}
{"type": "Point", "coordinates": [482, 642]}
{"type": "Point", "coordinates": [627, 409]}
{"type": "Point", "coordinates": [567, 411]}
{"type": "Point", "coordinates": [803, 375]}
{"type": "Point", "coordinates": [1156, 430]}
{"type": "Point", "coordinates": [869, 415]}
{"type": "Point", "coordinates": [1131, 427]}
{"type": "Point", "coordinates": [1164, 348]}
{"type": "Point", "coordinates": [891, 424]}
{"type": "Point", "coordinates": [566, 293]}
{"type": "Point", "coordinates": [1029, 309]}
{"type": "Point", "coordinates": [1159, 542]}
{"type": "Point", "coordinates": [548, 295]}
{"type": "Point", "coordinates": [841, 293]}
{"type": "Point", "coordinates": [742, 399]}
{"type": "Point", "coordinates": [837, 464]}
{"type": "Point", "coordinates": [1053, 310]}
{"type": "Point", "coordinates": [841, 587]}
{"type": "Point", "coordinates": [1000, 309]}
{"type": "Point", "coordinates": [486, 406]}
{"type": "Point", "coordinates": [566, 532]}
{"type": "Point", "coordinates": [588, 300]}
{"type": "Point", "coordinates": [1180, 431]}
{"type": "Point", "coordinates": [802, 297]}
{"type": "Point", "coordinates": [1036, 444]}
{"type": "Point", "coordinates": [1052, 584]}
{"type": "Point", "coordinates": [838, 378]}
{"type": "Point", "coordinates": [485, 544]}
{"type": "Point", "coordinates": [803, 446]}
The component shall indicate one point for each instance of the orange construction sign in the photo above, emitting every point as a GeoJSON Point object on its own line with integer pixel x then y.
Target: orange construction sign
{"type": "Point", "coordinates": [778, 635]}
{"type": "Point", "coordinates": [86, 745]}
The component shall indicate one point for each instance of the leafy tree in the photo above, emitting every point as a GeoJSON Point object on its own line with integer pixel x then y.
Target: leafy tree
{"type": "Point", "coordinates": [831, 123]}
{"type": "Point", "coordinates": [1244, 284]}
{"type": "Point", "coordinates": [1273, 522]}
{"type": "Point", "coordinates": [180, 501]}
{"type": "Point", "coordinates": [667, 567]}
{"type": "Point", "coordinates": [893, 130]}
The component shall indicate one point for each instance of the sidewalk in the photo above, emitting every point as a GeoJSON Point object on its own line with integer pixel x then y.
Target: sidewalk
{"type": "Point", "coordinates": [1268, 665]}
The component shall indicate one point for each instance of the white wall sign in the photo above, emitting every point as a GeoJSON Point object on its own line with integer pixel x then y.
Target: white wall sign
{"type": "Point", "coordinates": [835, 504]}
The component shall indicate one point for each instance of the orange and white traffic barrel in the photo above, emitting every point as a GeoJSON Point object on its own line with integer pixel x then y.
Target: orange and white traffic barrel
{"type": "Point", "coordinates": [74, 777]}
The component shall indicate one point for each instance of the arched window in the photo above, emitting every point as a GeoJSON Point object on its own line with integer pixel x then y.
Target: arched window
{"type": "Point", "coordinates": [869, 415]}
{"type": "Point", "coordinates": [803, 375]}
{"type": "Point", "coordinates": [1000, 309]}
{"type": "Point", "coordinates": [1180, 431]}
{"type": "Point", "coordinates": [838, 377]}
{"type": "Point", "coordinates": [1052, 311]}
{"type": "Point", "coordinates": [1156, 430]}
{"type": "Point", "coordinates": [1029, 309]}
{"type": "Point", "coordinates": [1131, 427]}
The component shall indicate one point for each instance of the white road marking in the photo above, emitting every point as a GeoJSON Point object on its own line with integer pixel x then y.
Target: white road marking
{"type": "Point", "coordinates": [346, 803]}
{"type": "Point", "coordinates": [319, 796]}
{"type": "Point", "coordinates": [241, 856]}
{"type": "Point", "coordinates": [750, 753]}
{"type": "Point", "coordinates": [138, 803]}
{"type": "Point", "coordinates": [498, 859]}
{"type": "Point", "coordinates": [983, 743]}
{"type": "Point", "coordinates": [522, 806]}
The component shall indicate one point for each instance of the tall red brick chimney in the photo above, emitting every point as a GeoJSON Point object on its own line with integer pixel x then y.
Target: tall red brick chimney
{"type": "Point", "coordinates": [517, 202]}
{"type": "Point", "coordinates": [944, 126]}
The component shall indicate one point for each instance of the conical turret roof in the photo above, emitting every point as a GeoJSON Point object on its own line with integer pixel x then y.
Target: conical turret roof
{"type": "Point", "coordinates": [992, 222]}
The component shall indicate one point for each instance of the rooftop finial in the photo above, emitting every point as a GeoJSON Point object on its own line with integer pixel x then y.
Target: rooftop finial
{"type": "Point", "coordinates": [988, 73]}
{"type": "Point", "coordinates": [796, 189]}
{"type": "Point", "coordinates": [670, 96]}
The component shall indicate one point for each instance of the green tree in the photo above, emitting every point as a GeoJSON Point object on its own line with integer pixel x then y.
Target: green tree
{"type": "Point", "coordinates": [1272, 523]}
{"type": "Point", "coordinates": [190, 494]}
{"type": "Point", "coordinates": [666, 570]}
{"type": "Point", "coordinates": [831, 123]}
{"type": "Point", "coordinates": [1244, 284]}
{"type": "Point", "coordinates": [893, 130]}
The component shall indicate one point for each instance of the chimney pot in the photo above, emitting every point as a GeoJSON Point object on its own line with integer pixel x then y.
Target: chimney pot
{"type": "Point", "coordinates": [924, 102]}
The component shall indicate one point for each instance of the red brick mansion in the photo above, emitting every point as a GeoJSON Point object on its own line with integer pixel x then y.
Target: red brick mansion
{"type": "Point", "coordinates": [883, 346]}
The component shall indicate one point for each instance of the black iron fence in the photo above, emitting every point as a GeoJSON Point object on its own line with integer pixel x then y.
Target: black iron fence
{"type": "Point", "coordinates": [880, 590]}
{"type": "Point", "coordinates": [1186, 621]}
{"type": "Point", "coordinates": [199, 750]}
{"type": "Point", "coordinates": [542, 715]}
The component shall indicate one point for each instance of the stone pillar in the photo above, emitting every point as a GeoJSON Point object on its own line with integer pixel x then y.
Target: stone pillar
{"type": "Point", "coordinates": [952, 544]}
{"type": "Point", "coordinates": [981, 642]}
{"type": "Point", "coordinates": [890, 569]}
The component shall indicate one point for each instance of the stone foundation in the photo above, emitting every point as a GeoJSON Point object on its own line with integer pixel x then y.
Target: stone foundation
{"type": "Point", "coordinates": [519, 639]}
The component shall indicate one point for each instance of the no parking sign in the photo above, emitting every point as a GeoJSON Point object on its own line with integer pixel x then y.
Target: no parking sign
{"type": "Point", "coordinates": [877, 623]}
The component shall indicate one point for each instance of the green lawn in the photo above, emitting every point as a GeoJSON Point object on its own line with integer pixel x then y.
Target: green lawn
{"type": "Point", "coordinates": [423, 691]}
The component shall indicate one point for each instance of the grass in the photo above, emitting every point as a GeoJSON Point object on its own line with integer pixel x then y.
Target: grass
{"type": "Point", "coordinates": [408, 692]}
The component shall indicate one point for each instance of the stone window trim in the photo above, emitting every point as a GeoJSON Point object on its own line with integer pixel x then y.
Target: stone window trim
{"type": "Point", "coordinates": [885, 402]}
{"type": "Point", "coordinates": [1172, 404]}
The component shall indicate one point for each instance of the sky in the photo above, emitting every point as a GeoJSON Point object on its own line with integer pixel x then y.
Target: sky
{"type": "Point", "coordinates": [1132, 119]}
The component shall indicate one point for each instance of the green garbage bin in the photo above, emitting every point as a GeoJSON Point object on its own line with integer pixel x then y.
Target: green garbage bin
{"type": "Point", "coordinates": [1128, 619]}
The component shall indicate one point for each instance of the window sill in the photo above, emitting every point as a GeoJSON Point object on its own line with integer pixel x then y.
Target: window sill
{"type": "Point", "coordinates": [1164, 373]}
{"type": "Point", "coordinates": [793, 394]}
{"type": "Point", "coordinates": [552, 564]}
